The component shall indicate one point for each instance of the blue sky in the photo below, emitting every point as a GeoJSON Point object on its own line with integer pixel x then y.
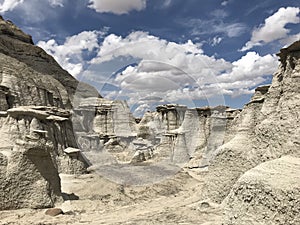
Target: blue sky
{"type": "Point", "coordinates": [149, 52]}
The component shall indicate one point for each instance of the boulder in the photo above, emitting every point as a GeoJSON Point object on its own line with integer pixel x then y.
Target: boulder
{"type": "Point", "coordinates": [54, 212]}
{"type": "Point", "coordinates": [266, 194]}
{"type": "Point", "coordinates": [32, 149]}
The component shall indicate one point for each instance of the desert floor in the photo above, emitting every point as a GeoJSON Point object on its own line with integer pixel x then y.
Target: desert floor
{"type": "Point", "coordinates": [127, 195]}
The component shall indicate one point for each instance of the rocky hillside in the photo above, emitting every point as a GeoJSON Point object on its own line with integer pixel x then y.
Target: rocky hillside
{"type": "Point", "coordinates": [15, 44]}
{"type": "Point", "coordinates": [37, 138]}
{"type": "Point", "coordinates": [267, 128]}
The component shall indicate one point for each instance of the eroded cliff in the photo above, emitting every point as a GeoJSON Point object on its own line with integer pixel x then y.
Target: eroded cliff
{"type": "Point", "coordinates": [35, 122]}
{"type": "Point", "coordinates": [267, 128]}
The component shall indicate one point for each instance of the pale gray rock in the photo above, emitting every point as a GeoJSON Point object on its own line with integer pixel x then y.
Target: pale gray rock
{"type": "Point", "coordinates": [104, 117]}
{"type": "Point", "coordinates": [29, 177]}
{"type": "Point", "coordinates": [176, 133]}
{"type": "Point", "coordinates": [143, 150]}
{"type": "Point", "coordinates": [267, 194]}
{"type": "Point", "coordinates": [205, 130]}
{"type": "Point", "coordinates": [196, 129]}
{"type": "Point", "coordinates": [151, 126]}
{"type": "Point", "coordinates": [35, 127]}
{"type": "Point", "coordinates": [172, 115]}
{"type": "Point", "coordinates": [179, 134]}
{"type": "Point", "coordinates": [267, 128]}
{"type": "Point", "coordinates": [180, 152]}
{"type": "Point", "coordinates": [32, 149]}
{"type": "Point", "coordinates": [105, 126]}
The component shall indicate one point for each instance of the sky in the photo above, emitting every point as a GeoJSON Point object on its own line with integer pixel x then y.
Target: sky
{"type": "Point", "coordinates": [150, 52]}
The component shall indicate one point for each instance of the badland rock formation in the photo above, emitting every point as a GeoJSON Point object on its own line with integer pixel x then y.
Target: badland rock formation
{"type": "Point", "coordinates": [50, 124]}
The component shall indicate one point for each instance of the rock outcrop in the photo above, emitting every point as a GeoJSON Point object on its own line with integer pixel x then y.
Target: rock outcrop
{"type": "Point", "coordinates": [104, 127]}
{"type": "Point", "coordinates": [173, 133]}
{"type": "Point", "coordinates": [179, 133]}
{"type": "Point", "coordinates": [18, 45]}
{"type": "Point", "coordinates": [36, 96]}
{"type": "Point", "coordinates": [266, 194]}
{"type": "Point", "coordinates": [7, 28]}
{"type": "Point", "coordinates": [266, 129]}
{"type": "Point", "coordinates": [29, 173]}
{"type": "Point", "coordinates": [22, 86]}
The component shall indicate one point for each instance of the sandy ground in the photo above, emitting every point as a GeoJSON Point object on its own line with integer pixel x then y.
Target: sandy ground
{"type": "Point", "coordinates": [98, 199]}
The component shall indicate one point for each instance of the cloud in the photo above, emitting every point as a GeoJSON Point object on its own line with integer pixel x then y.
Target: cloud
{"type": "Point", "coordinates": [141, 45]}
{"type": "Point", "coordinates": [141, 109]}
{"type": "Point", "coordinates": [215, 41]}
{"type": "Point", "coordinates": [55, 3]}
{"type": "Point", "coordinates": [273, 27]}
{"type": "Point", "coordinates": [290, 39]}
{"type": "Point", "coordinates": [167, 3]}
{"type": "Point", "coordinates": [32, 11]}
{"type": "Point", "coordinates": [247, 73]}
{"type": "Point", "coordinates": [70, 54]}
{"type": "Point", "coordinates": [164, 72]}
{"type": "Point", "coordinates": [172, 72]}
{"type": "Point", "coordinates": [116, 6]}
{"type": "Point", "coordinates": [9, 5]}
{"type": "Point", "coordinates": [250, 66]}
{"type": "Point", "coordinates": [224, 3]}
{"type": "Point", "coordinates": [219, 13]}
{"type": "Point", "coordinates": [215, 26]}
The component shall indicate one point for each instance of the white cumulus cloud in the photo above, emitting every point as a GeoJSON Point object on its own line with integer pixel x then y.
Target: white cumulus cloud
{"type": "Point", "coordinates": [70, 54]}
{"type": "Point", "coordinates": [9, 5]}
{"type": "Point", "coordinates": [274, 27]}
{"type": "Point", "coordinates": [117, 6]}
{"type": "Point", "coordinates": [28, 5]}
{"type": "Point", "coordinates": [178, 72]}
{"type": "Point", "coordinates": [164, 72]}
{"type": "Point", "coordinates": [250, 66]}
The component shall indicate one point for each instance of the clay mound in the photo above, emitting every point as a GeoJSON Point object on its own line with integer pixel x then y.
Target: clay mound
{"type": "Point", "coordinates": [266, 194]}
